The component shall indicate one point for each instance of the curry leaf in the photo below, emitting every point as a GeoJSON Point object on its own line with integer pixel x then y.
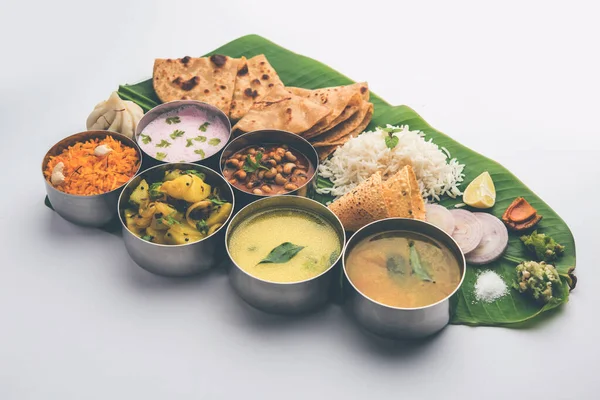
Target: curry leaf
{"type": "Point", "coordinates": [396, 265]}
{"type": "Point", "coordinates": [415, 263]}
{"type": "Point", "coordinates": [251, 165]}
{"type": "Point", "coordinates": [282, 253]}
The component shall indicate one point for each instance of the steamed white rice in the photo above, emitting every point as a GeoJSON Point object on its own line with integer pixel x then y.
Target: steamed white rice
{"type": "Point", "coordinates": [438, 174]}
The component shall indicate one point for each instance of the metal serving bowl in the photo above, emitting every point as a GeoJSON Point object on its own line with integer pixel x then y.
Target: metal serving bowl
{"type": "Point", "coordinates": [97, 210]}
{"type": "Point", "coordinates": [283, 298]}
{"type": "Point", "coordinates": [271, 136]}
{"type": "Point", "coordinates": [161, 109]}
{"type": "Point", "coordinates": [176, 260]}
{"type": "Point", "coordinates": [396, 322]}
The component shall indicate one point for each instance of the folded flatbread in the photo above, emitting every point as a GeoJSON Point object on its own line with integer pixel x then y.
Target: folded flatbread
{"type": "Point", "coordinates": [337, 99]}
{"type": "Point", "coordinates": [255, 77]}
{"type": "Point", "coordinates": [348, 129]}
{"type": "Point", "coordinates": [281, 109]}
{"type": "Point", "coordinates": [209, 79]}
{"type": "Point", "coordinates": [361, 206]}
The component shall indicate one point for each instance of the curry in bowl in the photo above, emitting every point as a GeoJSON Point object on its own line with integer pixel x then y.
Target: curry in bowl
{"type": "Point", "coordinates": [403, 269]}
{"type": "Point", "coordinates": [179, 207]}
{"type": "Point", "coordinates": [284, 245]}
{"type": "Point", "coordinates": [268, 169]}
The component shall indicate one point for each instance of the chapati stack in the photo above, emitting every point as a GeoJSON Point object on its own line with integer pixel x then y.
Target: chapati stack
{"type": "Point", "coordinates": [250, 92]}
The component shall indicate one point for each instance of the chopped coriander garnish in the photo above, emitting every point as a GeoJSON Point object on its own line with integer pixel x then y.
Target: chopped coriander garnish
{"type": "Point", "coordinates": [200, 175]}
{"type": "Point", "coordinates": [145, 138]}
{"type": "Point", "coordinates": [169, 220]}
{"type": "Point", "coordinates": [202, 226]}
{"type": "Point", "coordinates": [163, 143]}
{"type": "Point", "coordinates": [200, 152]}
{"type": "Point", "coordinates": [253, 166]}
{"type": "Point", "coordinates": [200, 138]}
{"type": "Point", "coordinates": [218, 202]}
{"type": "Point", "coordinates": [204, 126]}
{"type": "Point", "coordinates": [190, 142]}
{"type": "Point", "coordinates": [173, 120]}
{"type": "Point", "coordinates": [148, 237]}
{"type": "Point", "coordinates": [176, 133]}
{"type": "Point", "coordinates": [214, 141]}
{"type": "Point", "coordinates": [160, 156]}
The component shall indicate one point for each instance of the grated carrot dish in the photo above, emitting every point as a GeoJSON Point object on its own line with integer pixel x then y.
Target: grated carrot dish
{"type": "Point", "coordinates": [87, 174]}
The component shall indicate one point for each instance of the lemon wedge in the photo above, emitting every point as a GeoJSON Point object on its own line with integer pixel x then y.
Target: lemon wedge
{"type": "Point", "coordinates": [481, 192]}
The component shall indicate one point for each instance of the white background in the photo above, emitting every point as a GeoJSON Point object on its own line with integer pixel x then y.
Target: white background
{"type": "Point", "coordinates": [517, 82]}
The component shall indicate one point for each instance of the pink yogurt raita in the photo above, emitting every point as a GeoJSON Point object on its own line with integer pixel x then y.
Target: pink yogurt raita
{"type": "Point", "coordinates": [186, 134]}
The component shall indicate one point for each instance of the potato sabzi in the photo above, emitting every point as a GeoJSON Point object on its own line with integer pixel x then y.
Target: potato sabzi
{"type": "Point", "coordinates": [180, 209]}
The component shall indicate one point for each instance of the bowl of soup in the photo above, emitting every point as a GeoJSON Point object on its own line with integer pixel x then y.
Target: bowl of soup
{"type": "Point", "coordinates": [283, 251]}
{"type": "Point", "coordinates": [401, 274]}
{"type": "Point", "coordinates": [267, 163]}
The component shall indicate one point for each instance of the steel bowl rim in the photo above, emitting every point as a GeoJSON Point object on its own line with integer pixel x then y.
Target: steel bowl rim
{"type": "Point", "coordinates": [176, 104]}
{"type": "Point", "coordinates": [458, 286]}
{"type": "Point", "coordinates": [130, 143]}
{"type": "Point", "coordinates": [290, 134]}
{"type": "Point", "coordinates": [184, 244]}
{"type": "Point", "coordinates": [301, 198]}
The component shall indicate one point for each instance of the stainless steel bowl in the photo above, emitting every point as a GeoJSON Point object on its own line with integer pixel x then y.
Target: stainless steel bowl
{"type": "Point", "coordinates": [271, 136]}
{"type": "Point", "coordinates": [283, 298]}
{"type": "Point", "coordinates": [183, 259]}
{"type": "Point", "coordinates": [172, 105]}
{"type": "Point", "coordinates": [396, 322]}
{"type": "Point", "coordinates": [97, 210]}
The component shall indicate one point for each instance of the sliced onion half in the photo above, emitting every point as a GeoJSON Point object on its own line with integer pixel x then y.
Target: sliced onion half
{"type": "Point", "coordinates": [468, 230]}
{"type": "Point", "coordinates": [440, 217]}
{"type": "Point", "coordinates": [493, 243]}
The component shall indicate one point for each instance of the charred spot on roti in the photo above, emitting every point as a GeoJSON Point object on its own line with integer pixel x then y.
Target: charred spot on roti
{"type": "Point", "coordinates": [177, 80]}
{"type": "Point", "coordinates": [271, 85]}
{"type": "Point", "coordinates": [251, 93]}
{"type": "Point", "coordinates": [265, 77]}
{"type": "Point", "coordinates": [218, 59]}
{"type": "Point", "coordinates": [363, 90]}
{"type": "Point", "coordinates": [206, 91]}
{"type": "Point", "coordinates": [256, 82]}
{"type": "Point", "coordinates": [243, 71]}
{"type": "Point", "coordinates": [185, 60]}
{"type": "Point", "coordinates": [262, 63]}
{"type": "Point", "coordinates": [190, 84]}
{"type": "Point", "coordinates": [223, 87]}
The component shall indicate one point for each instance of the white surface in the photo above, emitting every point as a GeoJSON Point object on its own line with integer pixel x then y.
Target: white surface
{"type": "Point", "coordinates": [81, 321]}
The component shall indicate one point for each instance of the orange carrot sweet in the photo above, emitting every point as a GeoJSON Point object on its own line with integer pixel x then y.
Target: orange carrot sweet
{"type": "Point", "coordinates": [87, 174]}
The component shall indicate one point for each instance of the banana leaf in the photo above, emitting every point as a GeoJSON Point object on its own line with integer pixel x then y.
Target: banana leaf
{"type": "Point", "coordinates": [301, 71]}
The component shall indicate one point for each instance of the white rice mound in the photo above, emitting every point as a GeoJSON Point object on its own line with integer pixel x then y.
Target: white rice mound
{"type": "Point", "coordinates": [361, 157]}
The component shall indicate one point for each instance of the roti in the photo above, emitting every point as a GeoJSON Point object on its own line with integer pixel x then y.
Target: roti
{"type": "Point", "coordinates": [255, 77]}
{"type": "Point", "coordinates": [361, 206]}
{"type": "Point", "coordinates": [348, 129]}
{"type": "Point", "coordinates": [336, 98]}
{"type": "Point", "coordinates": [281, 109]}
{"type": "Point", "coordinates": [208, 79]}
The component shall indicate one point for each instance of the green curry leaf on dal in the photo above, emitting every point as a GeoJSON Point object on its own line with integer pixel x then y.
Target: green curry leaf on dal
{"type": "Point", "coordinates": [282, 253]}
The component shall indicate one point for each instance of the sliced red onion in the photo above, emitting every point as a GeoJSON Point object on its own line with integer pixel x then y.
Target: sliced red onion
{"type": "Point", "coordinates": [493, 243]}
{"type": "Point", "coordinates": [468, 231]}
{"type": "Point", "coordinates": [440, 217]}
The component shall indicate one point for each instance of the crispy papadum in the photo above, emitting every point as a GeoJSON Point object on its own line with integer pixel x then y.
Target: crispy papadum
{"type": "Point", "coordinates": [362, 205]}
{"type": "Point", "coordinates": [209, 79]}
{"type": "Point", "coordinates": [255, 77]}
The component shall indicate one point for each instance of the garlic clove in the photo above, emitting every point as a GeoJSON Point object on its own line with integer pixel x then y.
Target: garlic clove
{"type": "Point", "coordinates": [57, 177]}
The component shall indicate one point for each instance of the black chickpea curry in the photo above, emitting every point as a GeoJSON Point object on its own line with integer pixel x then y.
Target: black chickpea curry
{"type": "Point", "coordinates": [180, 209]}
{"type": "Point", "coordinates": [268, 170]}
